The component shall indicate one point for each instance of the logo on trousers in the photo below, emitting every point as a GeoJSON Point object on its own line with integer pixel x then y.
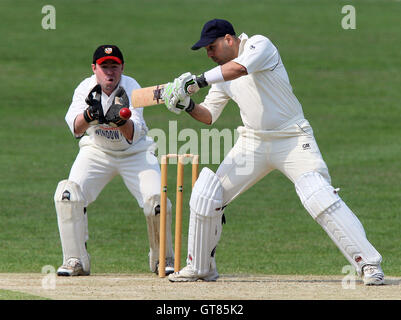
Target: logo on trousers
{"type": "Point", "coordinates": [306, 146]}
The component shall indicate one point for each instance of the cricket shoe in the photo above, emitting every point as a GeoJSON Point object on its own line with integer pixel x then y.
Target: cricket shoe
{"type": "Point", "coordinates": [73, 267]}
{"type": "Point", "coordinates": [169, 266]}
{"type": "Point", "coordinates": [187, 274]}
{"type": "Point", "coordinates": [372, 275]}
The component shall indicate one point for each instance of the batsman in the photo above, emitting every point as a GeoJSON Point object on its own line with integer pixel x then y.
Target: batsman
{"type": "Point", "coordinates": [111, 142]}
{"type": "Point", "coordinates": [274, 136]}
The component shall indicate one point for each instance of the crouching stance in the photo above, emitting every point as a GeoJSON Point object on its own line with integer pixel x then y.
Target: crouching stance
{"type": "Point", "coordinates": [73, 227]}
{"type": "Point", "coordinates": [109, 146]}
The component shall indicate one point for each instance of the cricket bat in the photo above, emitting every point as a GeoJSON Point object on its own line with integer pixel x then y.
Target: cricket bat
{"type": "Point", "coordinates": [148, 96]}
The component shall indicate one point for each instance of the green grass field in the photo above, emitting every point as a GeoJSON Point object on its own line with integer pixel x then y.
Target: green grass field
{"type": "Point", "coordinates": [348, 82]}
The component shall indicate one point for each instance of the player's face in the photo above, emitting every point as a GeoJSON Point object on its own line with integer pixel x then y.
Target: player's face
{"type": "Point", "coordinates": [108, 75]}
{"type": "Point", "coordinates": [221, 50]}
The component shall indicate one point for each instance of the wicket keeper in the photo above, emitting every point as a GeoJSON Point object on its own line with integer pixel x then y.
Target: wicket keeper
{"type": "Point", "coordinates": [108, 146]}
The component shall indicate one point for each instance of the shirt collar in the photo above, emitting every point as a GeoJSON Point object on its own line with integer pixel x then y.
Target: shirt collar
{"type": "Point", "coordinates": [243, 37]}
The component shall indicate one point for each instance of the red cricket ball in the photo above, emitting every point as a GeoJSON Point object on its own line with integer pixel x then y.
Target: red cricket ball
{"type": "Point", "coordinates": [125, 113]}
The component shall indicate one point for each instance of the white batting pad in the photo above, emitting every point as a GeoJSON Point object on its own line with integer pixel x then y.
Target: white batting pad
{"type": "Point", "coordinates": [316, 193]}
{"type": "Point", "coordinates": [207, 194]}
{"type": "Point", "coordinates": [72, 223]}
{"type": "Point", "coordinates": [345, 229]}
{"type": "Point", "coordinates": [323, 203]}
{"type": "Point", "coordinates": [205, 224]}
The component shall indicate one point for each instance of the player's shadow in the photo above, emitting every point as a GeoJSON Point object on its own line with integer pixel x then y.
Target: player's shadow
{"type": "Point", "coordinates": [226, 278]}
{"type": "Point", "coordinates": [392, 282]}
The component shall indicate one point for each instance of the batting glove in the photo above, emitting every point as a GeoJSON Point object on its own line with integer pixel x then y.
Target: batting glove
{"type": "Point", "coordinates": [187, 85]}
{"type": "Point", "coordinates": [187, 104]}
{"type": "Point", "coordinates": [171, 97]}
{"type": "Point", "coordinates": [190, 84]}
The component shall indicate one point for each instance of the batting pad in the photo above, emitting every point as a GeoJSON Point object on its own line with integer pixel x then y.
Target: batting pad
{"type": "Point", "coordinates": [323, 203]}
{"type": "Point", "coordinates": [69, 202]}
{"type": "Point", "coordinates": [207, 194]}
{"type": "Point", "coordinates": [316, 193]}
{"type": "Point", "coordinates": [205, 223]}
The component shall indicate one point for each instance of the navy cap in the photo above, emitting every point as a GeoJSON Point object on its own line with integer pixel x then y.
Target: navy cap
{"type": "Point", "coordinates": [107, 52]}
{"type": "Point", "coordinates": [212, 30]}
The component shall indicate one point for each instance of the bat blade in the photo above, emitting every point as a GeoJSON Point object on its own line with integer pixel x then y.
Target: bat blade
{"type": "Point", "coordinates": [148, 96]}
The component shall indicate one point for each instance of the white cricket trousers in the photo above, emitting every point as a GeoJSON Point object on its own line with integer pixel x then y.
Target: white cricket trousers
{"type": "Point", "coordinates": [291, 150]}
{"type": "Point", "coordinates": [139, 168]}
{"type": "Point", "coordinates": [294, 151]}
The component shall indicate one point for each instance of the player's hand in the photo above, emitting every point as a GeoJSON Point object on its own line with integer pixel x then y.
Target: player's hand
{"type": "Point", "coordinates": [187, 104]}
{"type": "Point", "coordinates": [171, 97]}
{"type": "Point", "coordinates": [187, 85]}
{"type": "Point", "coordinates": [94, 113]}
{"type": "Point", "coordinates": [113, 114]}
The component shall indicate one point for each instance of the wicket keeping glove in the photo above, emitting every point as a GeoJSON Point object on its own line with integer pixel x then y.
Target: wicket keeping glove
{"type": "Point", "coordinates": [113, 114]}
{"type": "Point", "coordinates": [94, 113]}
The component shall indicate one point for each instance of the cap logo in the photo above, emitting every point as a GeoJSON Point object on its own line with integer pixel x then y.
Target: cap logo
{"type": "Point", "coordinates": [108, 50]}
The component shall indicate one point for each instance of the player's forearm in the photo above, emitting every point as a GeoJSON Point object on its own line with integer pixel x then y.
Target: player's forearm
{"type": "Point", "coordinates": [127, 130]}
{"type": "Point", "coordinates": [201, 114]}
{"type": "Point", "coordinates": [80, 125]}
{"type": "Point", "coordinates": [226, 72]}
{"type": "Point", "coordinates": [232, 70]}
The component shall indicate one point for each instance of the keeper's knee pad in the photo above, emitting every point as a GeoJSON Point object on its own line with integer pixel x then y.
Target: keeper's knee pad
{"type": "Point", "coordinates": [324, 204]}
{"type": "Point", "coordinates": [151, 209]}
{"type": "Point", "coordinates": [69, 202]}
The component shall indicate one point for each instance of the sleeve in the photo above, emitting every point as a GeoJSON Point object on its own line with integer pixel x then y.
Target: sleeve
{"type": "Point", "coordinates": [215, 101]}
{"type": "Point", "coordinates": [78, 104]}
{"type": "Point", "coordinates": [140, 128]}
{"type": "Point", "coordinates": [259, 54]}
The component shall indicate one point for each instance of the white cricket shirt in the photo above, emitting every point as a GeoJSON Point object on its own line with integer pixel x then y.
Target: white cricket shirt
{"type": "Point", "coordinates": [104, 135]}
{"type": "Point", "coordinates": [264, 96]}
